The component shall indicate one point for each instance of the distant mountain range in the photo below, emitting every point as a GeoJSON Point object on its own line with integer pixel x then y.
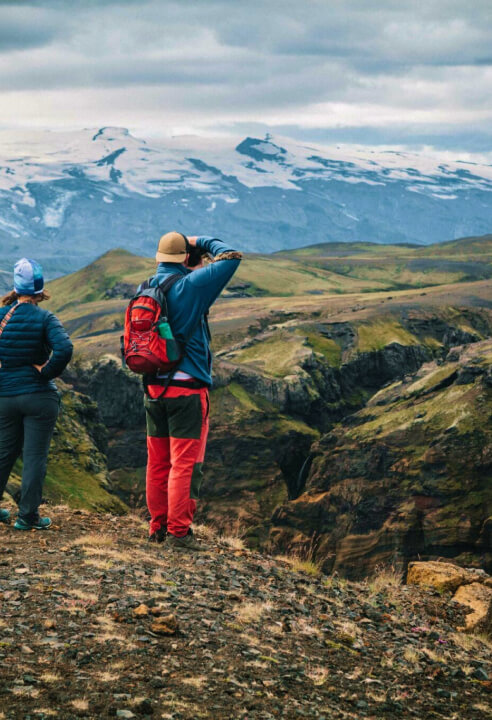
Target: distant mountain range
{"type": "Point", "coordinates": [66, 197]}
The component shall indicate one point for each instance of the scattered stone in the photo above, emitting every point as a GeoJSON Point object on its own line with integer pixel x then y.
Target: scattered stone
{"type": "Point", "coordinates": [480, 674]}
{"type": "Point", "coordinates": [317, 647]}
{"type": "Point", "coordinates": [141, 611]}
{"type": "Point", "coordinates": [166, 625]}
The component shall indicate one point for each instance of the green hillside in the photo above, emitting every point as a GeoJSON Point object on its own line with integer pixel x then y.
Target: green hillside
{"type": "Point", "coordinates": [327, 269]}
{"type": "Point", "coordinates": [402, 266]}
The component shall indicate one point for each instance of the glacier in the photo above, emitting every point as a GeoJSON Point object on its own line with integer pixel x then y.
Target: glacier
{"type": "Point", "coordinates": [68, 196]}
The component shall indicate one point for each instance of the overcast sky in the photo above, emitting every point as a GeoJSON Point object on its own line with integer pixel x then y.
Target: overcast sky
{"type": "Point", "coordinates": [364, 71]}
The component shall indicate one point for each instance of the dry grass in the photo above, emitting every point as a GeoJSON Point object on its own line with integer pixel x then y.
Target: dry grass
{"type": "Point", "coordinates": [80, 704]}
{"type": "Point", "coordinates": [304, 627]}
{"type": "Point", "coordinates": [386, 581]}
{"type": "Point", "coordinates": [388, 661]}
{"type": "Point", "coordinates": [483, 707]}
{"type": "Point", "coordinates": [411, 655]}
{"type": "Point", "coordinates": [205, 531]}
{"type": "Point", "coordinates": [432, 655]}
{"type": "Point", "coordinates": [120, 556]}
{"type": "Point", "coordinates": [84, 596]}
{"type": "Point", "coordinates": [49, 678]}
{"type": "Point", "coordinates": [318, 675]}
{"type": "Point", "coordinates": [252, 612]}
{"type": "Point", "coordinates": [300, 565]}
{"type": "Point", "coordinates": [25, 691]}
{"type": "Point", "coordinates": [98, 564]}
{"type": "Point", "coordinates": [197, 682]}
{"type": "Point", "coordinates": [108, 631]}
{"type": "Point", "coordinates": [275, 629]}
{"type": "Point", "coordinates": [94, 540]}
{"type": "Point", "coordinates": [235, 543]}
{"type": "Point", "coordinates": [472, 641]}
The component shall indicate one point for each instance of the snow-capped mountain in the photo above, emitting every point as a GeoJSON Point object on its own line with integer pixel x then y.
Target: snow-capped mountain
{"type": "Point", "coordinates": [66, 197]}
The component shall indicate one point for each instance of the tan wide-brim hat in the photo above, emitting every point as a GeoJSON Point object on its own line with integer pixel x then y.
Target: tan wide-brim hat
{"type": "Point", "coordinates": [172, 248]}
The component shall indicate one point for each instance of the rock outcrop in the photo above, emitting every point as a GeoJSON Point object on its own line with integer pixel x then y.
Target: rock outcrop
{"type": "Point", "coordinates": [472, 588]}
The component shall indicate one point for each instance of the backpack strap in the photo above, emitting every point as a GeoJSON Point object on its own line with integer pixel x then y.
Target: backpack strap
{"type": "Point", "coordinates": [163, 288]}
{"type": "Point", "coordinates": [5, 320]}
{"type": "Point", "coordinates": [7, 317]}
{"type": "Point", "coordinates": [167, 285]}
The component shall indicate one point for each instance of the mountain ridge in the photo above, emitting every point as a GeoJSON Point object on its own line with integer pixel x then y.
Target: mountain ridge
{"type": "Point", "coordinates": [66, 196]}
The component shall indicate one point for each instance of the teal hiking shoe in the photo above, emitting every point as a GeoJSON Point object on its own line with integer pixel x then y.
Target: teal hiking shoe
{"type": "Point", "coordinates": [5, 516]}
{"type": "Point", "coordinates": [41, 524]}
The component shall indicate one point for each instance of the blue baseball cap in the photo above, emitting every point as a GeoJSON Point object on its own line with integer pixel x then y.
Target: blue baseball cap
{"type": "Point", "coordinates": [28, 277]}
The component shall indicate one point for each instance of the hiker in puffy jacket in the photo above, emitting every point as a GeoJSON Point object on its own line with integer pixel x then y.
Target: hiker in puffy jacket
{"type": "Point", "coordinates": [177, 407]}
{"type": "Point", "coordinates": [34, 349]}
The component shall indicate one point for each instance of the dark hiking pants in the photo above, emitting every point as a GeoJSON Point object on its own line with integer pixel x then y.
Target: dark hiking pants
{"type": "Point", "coordinates": [26, 424]}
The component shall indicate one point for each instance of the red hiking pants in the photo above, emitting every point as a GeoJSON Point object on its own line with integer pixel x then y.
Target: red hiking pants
{"type": "Point", "coordinates": [177, 429]}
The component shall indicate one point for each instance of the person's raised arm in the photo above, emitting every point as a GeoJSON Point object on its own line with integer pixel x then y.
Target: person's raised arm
{"type": "Point", "coordinates": [212, 279]}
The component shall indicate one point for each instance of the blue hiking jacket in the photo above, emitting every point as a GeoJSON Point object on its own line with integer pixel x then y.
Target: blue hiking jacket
{"type": "Point", "coordinates": [28, 338]}
{"type": "Point", "coordinates": [190, 298]}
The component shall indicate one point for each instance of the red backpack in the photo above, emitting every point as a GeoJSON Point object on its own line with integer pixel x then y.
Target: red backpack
{"type": "Point", "coordinates": [148, 345]}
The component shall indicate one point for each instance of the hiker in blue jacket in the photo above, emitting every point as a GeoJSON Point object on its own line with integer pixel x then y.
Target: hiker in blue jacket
{"type": "Point", "coordinates": [34, 349]}
{"type": "Point", "coordinates": [177, 406]}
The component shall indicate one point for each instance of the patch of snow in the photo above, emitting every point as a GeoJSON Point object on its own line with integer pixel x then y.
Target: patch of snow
{"type": "Point", "coordinates": [54, 214]}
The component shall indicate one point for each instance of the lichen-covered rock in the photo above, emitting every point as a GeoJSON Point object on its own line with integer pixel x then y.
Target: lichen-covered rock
{"type": "Point", "coordinates": [478, 598]}
{"type": "Point", "coordinates": [438, 575]}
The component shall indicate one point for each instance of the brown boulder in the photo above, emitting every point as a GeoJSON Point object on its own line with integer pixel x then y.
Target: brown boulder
{"type": "Point", "coordinates": [478, 597]}
{"type": "Point", "coordinates": [438, 575]}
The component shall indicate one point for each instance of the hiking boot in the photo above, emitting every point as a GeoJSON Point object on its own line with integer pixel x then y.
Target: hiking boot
{"type": "Point", "coordinates": [159, 535]}
{"type": "Point", "coordinates": [187, 543]}
{"type": "Point", "coordinates": [39, 524]}
{"type": "Point", "coordinates": [5, 516]}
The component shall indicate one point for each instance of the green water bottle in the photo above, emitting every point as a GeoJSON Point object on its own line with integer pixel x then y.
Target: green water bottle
{"type": "Point", "coordinates": [164, 329]}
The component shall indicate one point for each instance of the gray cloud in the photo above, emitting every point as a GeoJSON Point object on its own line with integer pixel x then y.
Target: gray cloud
{"type": "Point", "coordinates": [334, 67]}
{"type": "Point", "coordinates": [24, 26]}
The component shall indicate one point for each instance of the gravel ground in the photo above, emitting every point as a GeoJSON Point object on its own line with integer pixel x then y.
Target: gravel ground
{"type": "Point", "coordinates": [97, 623]}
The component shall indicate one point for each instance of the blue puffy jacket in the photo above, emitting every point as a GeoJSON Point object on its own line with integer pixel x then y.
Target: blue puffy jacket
{"type": "Point", "coordinates": [29, 337]}
{"type": "Point", "coordinates": [190, 298]}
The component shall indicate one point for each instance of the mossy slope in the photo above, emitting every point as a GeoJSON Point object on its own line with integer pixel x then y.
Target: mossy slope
{"type": "Point", "coordinates": [411, 474]}
{"type": "Point", "coordinates": [77, 473]}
